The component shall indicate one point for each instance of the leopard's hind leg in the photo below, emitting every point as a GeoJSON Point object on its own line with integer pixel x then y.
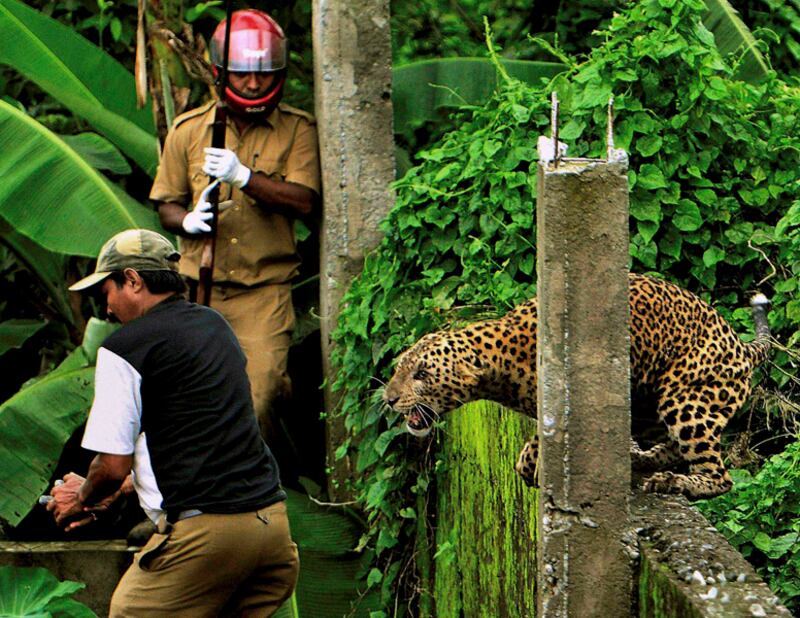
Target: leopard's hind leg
{"type": "Point", "coordinates": [695, 417]}
{"type": "Point", "coordinates": [657, 457]}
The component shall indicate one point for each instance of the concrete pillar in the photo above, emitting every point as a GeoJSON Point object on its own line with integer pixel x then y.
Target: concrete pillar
{"type": "Point", "coordinates": [583, 396]}
{"type": "Point", "coordinates": [353, 98]}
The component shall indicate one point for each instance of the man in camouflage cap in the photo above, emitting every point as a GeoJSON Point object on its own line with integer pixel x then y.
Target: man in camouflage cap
{"type": "Point", "coordinates": [172, 405]}
{"type": "Point", "coordinates": [142, 250]}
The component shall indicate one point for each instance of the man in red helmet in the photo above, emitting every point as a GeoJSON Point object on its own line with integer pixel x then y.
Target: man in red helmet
{"type": "Point", "coordinates": [269, 175]}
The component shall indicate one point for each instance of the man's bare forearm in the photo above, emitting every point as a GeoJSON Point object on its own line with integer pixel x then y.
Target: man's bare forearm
{"type": "Point", "coordinates": [106, 475]}
{"type": "Point", "coordinates": [171, 216]}
{"type": "Point", "coordinates": [287, 198]}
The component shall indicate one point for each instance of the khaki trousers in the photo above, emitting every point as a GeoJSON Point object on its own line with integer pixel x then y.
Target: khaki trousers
{"type": "Point", "coordinates": [263, 320]}
{"type": "Point", "coordinates": [212, 565]}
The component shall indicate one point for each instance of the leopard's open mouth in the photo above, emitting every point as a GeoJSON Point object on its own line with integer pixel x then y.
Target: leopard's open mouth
{"type": "Point", "coordinates": [419, 422]}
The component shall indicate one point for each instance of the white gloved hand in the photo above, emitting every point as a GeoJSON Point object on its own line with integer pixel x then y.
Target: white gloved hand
{"type": "Point", "coordinates": [195, 221]}
{"type": "Point", "coordinates": [224, 164]}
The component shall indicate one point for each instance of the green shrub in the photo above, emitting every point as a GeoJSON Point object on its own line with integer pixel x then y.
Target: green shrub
{"type": "Point", "coordinates": [760, 516]}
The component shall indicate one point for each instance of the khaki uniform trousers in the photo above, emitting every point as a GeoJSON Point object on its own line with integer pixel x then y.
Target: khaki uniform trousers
{"type": "Point", "coordinates": [242, 565]}
{"type": "Point", "coordinates": [263, 319]}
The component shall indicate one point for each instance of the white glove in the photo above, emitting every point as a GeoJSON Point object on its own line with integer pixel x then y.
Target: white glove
{"type": "Point", "coordinates": [224, 164]}
{"type": "Point", "coordinates": [195, 221]}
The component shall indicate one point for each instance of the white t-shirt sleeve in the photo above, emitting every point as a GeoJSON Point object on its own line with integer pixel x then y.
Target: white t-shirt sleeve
{"type": "Point", "coordinates": [114, 422]}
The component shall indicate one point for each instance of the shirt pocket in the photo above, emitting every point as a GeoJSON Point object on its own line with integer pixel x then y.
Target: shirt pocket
{"type": "Point", "coordinates": [198, 180]}
{"type": "Point", "coordinates": [272, 167]}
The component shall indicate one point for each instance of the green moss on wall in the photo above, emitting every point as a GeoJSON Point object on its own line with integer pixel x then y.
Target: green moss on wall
{"type": "Point", "coordinates": [485, 563]}
{"type": "Point", "coordinates": [659, 595]}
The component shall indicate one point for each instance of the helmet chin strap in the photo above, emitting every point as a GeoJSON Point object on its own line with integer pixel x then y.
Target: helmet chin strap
{"type": "Point", "coordinates": [257, 107]}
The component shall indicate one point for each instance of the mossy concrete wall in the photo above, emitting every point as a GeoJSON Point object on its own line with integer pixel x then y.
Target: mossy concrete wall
{"type": "Point", "coordinates": [485, 538]}
{"type": "Point", "coordinates": [486, 518]}
{"type": "Point", "coordinates": [689, 570]}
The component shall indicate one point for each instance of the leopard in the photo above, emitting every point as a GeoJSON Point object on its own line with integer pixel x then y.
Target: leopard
{"type": "Point", "coordinates": [685, 360]}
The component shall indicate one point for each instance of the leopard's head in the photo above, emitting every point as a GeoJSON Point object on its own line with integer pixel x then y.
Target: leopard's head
{"type": "Point", "coordinates": [436, 375]}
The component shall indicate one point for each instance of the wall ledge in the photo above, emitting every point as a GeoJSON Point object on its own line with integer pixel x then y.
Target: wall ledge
{"type": "Point", "coordinates": [688, 569]}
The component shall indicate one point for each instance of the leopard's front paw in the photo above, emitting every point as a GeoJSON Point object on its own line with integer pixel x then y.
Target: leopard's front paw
{"type": "Point", "coordinates": [526, 465]}
{"type": "Point", "coordinates": [662, 483]}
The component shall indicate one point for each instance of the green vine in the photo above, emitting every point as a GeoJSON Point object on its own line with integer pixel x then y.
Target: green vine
{"type": "Point", "coordinates": [714, 202]}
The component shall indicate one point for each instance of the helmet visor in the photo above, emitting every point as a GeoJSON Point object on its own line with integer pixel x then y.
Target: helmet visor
{"type": "Point", "coordinates": [251, 51]}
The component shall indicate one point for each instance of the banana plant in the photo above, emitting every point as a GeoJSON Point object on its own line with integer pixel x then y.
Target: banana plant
{"type": "Point", "coordinates": [37, 421]}
{"type": "Point", "coordinates": [52, 195]}
{"type": "Point", "coordinates": [84, 78]}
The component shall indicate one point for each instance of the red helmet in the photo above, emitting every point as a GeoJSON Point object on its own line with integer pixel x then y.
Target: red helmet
{"type": "Point", "coordinates": [257, 45]}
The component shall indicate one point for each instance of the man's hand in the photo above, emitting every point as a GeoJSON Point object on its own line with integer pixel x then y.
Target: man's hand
{"type": "Point", "coordinates": [224, 164]}
{"type": "Point", "coordinates": [66, 506]}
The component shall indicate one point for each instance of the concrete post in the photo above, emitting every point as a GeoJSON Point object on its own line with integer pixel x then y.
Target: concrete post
{"type": "Point", "coordinates": [583, 397]}
{"type": "Point", "coordinates": [352, 86]}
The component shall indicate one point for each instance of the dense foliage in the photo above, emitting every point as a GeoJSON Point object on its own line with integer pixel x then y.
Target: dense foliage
{"type": "Point", "coordinates": [713, 171]}
{"type": "Point", "coordinates": [456, 30]}
{"type": "Point", "coordinates": [760, 516]}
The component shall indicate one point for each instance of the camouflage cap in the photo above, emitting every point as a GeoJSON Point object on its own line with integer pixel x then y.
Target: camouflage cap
{"type": "Point", "coordinates": [137, 249]}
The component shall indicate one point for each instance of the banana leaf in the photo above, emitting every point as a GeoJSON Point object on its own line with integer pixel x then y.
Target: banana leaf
{"type": "Point", "coordinates": [422, 91]}
{"type": "Point", "coordinates": [37, 421]}
{"type": "Point", "coordinates": [50, 194]}
{"type": "Point", "coordinates": [733, 37]}
{"type": "Point", "coordinates": [46, 266]}
{"type": "Point", "coordinates": [329, 585]}
{"type": "Point", "coordinates": [98, 152]}
{"type": "Point", "coordinates": [14, 333]}
{"type": "Point", "coordinates": [83, 77]}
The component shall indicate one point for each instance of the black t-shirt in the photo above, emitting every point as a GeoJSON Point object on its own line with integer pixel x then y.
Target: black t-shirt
{"type": "Point", "coordinates": [171, 388]}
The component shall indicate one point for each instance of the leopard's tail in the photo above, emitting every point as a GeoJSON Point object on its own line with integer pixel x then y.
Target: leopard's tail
{"type": "Point", "coordinates": [759, 347]}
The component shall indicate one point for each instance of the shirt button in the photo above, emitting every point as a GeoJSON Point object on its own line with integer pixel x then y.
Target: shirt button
{"type": "Point", "coordinates": [234, 241]}
{"type": "Point", "coordinates": [231, 273]}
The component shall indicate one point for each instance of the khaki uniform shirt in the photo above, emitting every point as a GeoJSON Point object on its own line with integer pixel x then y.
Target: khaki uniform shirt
{"type": "Point", "coordinates": [254, 246]}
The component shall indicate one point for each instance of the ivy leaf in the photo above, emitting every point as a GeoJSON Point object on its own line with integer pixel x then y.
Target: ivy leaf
{"type": "Point", "coordinates": [572, 130]}
{"type": "Point", "coordinates": [716, 89]}
{"type": "Point", "coordinates": [647, 229]}
{"type": "Point", "coordinates": [780, 545]}
{"type": "Point", "coordinates": [793, 311]}
{"type": "Point", "coordinates": [687, 217]}
{"type": "Point", "coordinates": [646, 209]}
{"type": "Point", "coordinates": [704, 34]}
{"type": "Point", "coordinates": [671, 244]}
{"type": "Point", "coordinates": [648, 145]}
{"type": "Point", "coordinates": [707, 197]}
{"type": "Point", "coordinates": [375, 577]}
{"type": "Point", "coordinates": [762, 541]}
{"type": "Point", "coordinates": [650, 177]}
{"type": "Point", "coordinates": [386, 540]}
{"type": "Point", "coordinates": [385, 439]}
{"type": "Point", "coordinates": [713, 256]}
{"type": "Point", "coordinates": [447, 171]}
